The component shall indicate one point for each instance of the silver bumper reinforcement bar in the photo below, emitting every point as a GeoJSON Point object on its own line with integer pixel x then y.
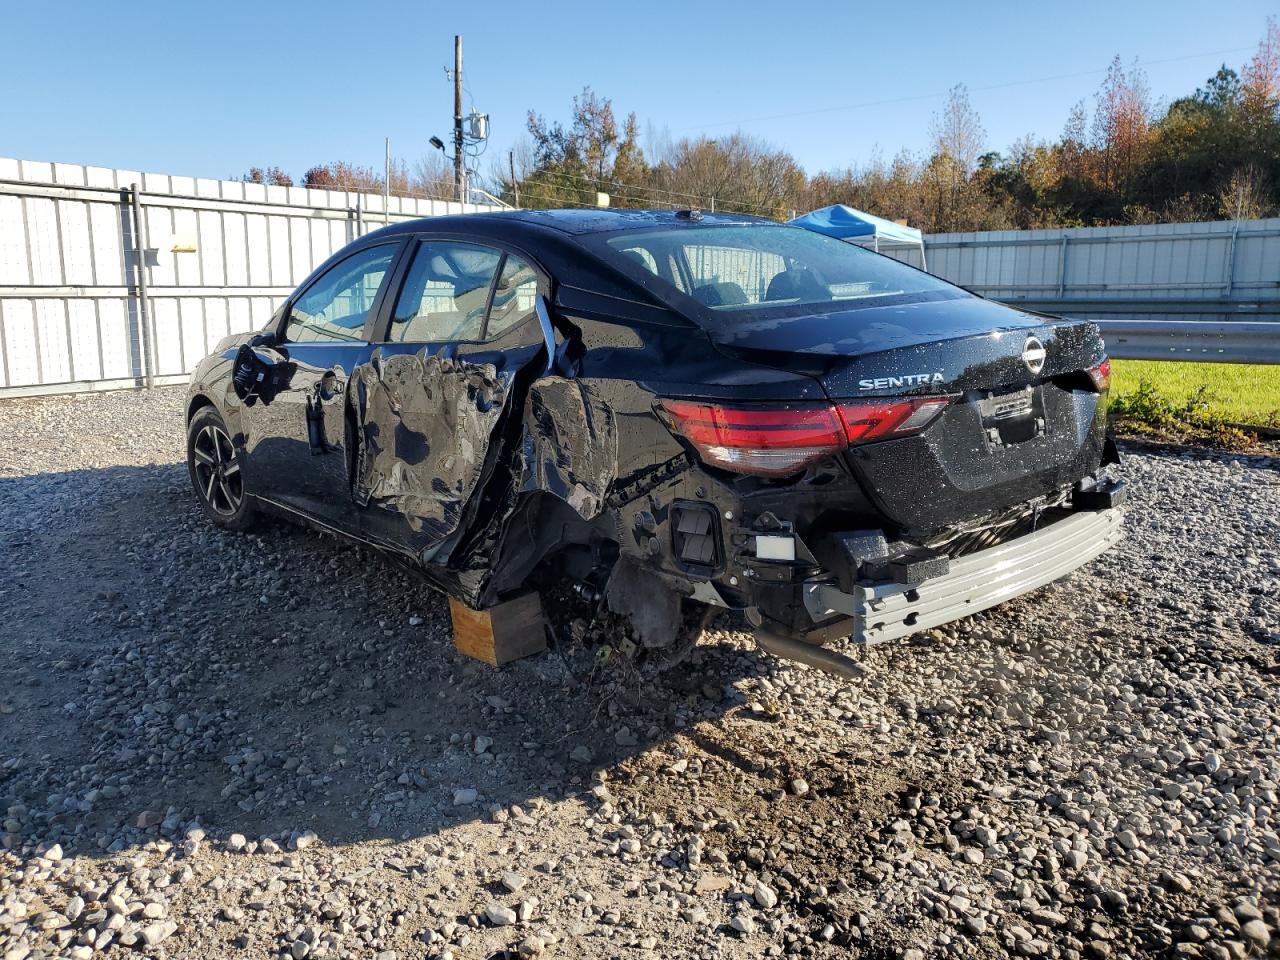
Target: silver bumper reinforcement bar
{"type": "Point", "coordinates": [889, 611]}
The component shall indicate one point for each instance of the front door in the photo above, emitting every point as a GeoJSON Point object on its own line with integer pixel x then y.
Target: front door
{"type": "Point", "coordinates": [297, 438]}
{"type": "Point", "coordinates": [439, 388]}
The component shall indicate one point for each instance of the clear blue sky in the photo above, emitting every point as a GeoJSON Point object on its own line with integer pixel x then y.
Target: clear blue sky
{"type": "Point", "coordinates": [210, 89]}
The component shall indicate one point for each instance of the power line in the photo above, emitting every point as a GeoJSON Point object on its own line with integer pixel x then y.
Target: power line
{"type": "Point", "coordinates": [934, 96]}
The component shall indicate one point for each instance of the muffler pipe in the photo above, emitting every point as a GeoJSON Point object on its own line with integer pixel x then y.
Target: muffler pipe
{"type": "Point", "coordinates": [819, 658]}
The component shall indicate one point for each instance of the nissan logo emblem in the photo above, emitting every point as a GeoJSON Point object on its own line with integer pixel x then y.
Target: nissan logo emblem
{"type": "Point", "coordinates": [1033, 354]}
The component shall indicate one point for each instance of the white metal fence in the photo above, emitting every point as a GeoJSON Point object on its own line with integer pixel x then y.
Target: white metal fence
{"type": "Point", "coordinates": [77, 313]}
{"type": "Point", "coordinates": [1200, 262]}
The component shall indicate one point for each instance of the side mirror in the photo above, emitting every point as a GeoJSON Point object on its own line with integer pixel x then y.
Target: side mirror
{"type": "Point", "coordinates": [259, 374]}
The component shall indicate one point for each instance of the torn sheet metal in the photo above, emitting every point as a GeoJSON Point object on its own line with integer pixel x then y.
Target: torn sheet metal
{"type": "Point", "coordinates": [436, 453]}
{"type": "Point", "coordinates": [424, 423]}
{"type": "Point", "coordinates": [565, 446]}
{"type": "Point", "coordinates": [570, 444]}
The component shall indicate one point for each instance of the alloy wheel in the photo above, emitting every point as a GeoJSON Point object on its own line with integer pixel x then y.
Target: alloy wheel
{"type": "Point", "coordinates": [217, 470]}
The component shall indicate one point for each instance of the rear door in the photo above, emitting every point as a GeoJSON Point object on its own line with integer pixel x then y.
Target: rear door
{"type": "Point", "coordinates": [439, 388]}
{"type": "Point", "coordinates": [297, 437]}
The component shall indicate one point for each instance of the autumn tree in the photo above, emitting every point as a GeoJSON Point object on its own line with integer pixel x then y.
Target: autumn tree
{"type": "Point", "coordinates": [953, 198]}
{"type": "Point", "coordinates": [269, 175]}
{"type": "Point", "coordinates": [735, 173]}
{"type": "Point", "coordinates": [591, 155]}
{"type": "Point", "coordinates": [343, 176]}
{"type": "Point", "coordinates": [1260, 80]}
{"type": "Point", "coordinates": [1121, 129]}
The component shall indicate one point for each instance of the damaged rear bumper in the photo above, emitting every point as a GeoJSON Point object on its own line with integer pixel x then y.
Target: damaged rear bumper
{"type": "Point", "coordinates": [889, 611]}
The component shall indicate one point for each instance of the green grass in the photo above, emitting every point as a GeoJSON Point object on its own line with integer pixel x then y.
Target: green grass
{"type": "Point", "coordinates": [1227, 392]}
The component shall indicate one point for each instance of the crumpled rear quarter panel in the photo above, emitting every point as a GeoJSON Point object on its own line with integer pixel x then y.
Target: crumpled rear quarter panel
{"type": "Point", "coordinates": [570, 444]}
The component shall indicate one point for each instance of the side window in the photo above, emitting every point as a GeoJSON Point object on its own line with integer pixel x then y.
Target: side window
{"type": "Point", "coordinates": [336, 305]}
{"type": "Point", "coordinates": [512, 298]}
{"type": "Point", "coordinates": [445, 293]}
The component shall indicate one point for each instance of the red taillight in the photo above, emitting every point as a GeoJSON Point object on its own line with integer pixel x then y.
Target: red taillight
{"type": "Point", "coordinates": [1100, 374]}
{"type": "Point", "coordinates": [770, 441]}
{"type": "Point", "coordinates": [875, 420]}
{"type": "Point", "coordinates": [777, 440]}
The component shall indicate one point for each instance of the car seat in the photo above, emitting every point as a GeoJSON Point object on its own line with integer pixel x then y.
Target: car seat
{"type": "Point", "coordinates": [723, 294]}
{"type": "Point", "coordinates": [797, 283]}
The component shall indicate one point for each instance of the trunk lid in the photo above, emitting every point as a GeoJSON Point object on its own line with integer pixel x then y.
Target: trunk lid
{"type": "Point", "coordinates": [1025, 421]}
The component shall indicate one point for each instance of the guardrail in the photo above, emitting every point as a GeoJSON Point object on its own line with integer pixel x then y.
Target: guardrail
{"type": "Point", "coordinates": [1122, 304]}
{"type": "Point", "coordinates": [1252, 338]}
{"type": "Point", "coordinates": [1230, 342]}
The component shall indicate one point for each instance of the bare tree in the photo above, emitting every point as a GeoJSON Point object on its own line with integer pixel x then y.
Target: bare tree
{"type": "Point", "coordinates": [958, 132]}
{"type": "Point", "coordinates": [432, 177]}
{"type": "Point", "coordinates": [1246, 196]}
{"type": "Point", "coordinates": [1074, 142]}
{"type": "Point", "coordinates": [951, 196]}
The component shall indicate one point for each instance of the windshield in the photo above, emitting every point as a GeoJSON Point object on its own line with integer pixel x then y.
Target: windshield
{"type": "Point", "coordinates": [740, 269]}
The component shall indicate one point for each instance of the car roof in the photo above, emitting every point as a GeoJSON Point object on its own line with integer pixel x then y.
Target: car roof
{"type": "Point", "coordinates": [569, 221]}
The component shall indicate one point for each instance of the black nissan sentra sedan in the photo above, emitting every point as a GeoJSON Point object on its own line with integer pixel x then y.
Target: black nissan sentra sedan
{"type": "Point", "coordinates": [662, 410]}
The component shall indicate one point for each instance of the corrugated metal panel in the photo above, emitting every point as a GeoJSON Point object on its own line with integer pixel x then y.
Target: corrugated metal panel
{"type": "Point", "coordinates": [119, 344]}
{"type": "Point", "coordinates": [82, 329]}
{"type": "Point", "coordinates": [52, 341]}
{"type": "Point", "coordinates": [22, 362]}
{"type": "Point", "coordinates": [13, 241]}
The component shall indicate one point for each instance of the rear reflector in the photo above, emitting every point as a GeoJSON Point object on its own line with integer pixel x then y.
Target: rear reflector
{"type": "Point", "coordinates": [778, 440]}
{"type": "Point", "coordinates": [1100, 374]}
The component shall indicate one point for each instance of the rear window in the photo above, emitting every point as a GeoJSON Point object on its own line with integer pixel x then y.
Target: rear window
{"type": "Point", "coordinates": [766, 269]}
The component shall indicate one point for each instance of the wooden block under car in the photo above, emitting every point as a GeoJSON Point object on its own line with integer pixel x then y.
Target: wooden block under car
{"type": "Point", "coordinates": [498, 635]}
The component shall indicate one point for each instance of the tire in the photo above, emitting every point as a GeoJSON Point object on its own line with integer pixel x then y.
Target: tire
{"type": "Point", "coordinates": [213, 463]}
{"type": "Point", "coordinates": [695, 617]}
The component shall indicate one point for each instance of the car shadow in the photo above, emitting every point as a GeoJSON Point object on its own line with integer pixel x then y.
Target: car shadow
{"type": "Point", "coordinates": [169, 673]}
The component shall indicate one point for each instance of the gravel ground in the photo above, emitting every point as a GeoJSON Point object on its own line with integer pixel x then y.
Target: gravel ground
{"type": "Point", "coordinates": [265, 746]}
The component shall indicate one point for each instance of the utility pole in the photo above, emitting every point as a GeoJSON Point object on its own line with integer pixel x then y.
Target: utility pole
{"type": "Point", "coordinates": [515, 185]}
{"type": "Point", "coordinates": [459, 167]}
{"type": "Point", "coordinates": [386, 185]}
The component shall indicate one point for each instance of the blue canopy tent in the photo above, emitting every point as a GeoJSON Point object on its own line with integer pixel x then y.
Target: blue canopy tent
{"type": "Point", "coordinates": [846, 223]}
